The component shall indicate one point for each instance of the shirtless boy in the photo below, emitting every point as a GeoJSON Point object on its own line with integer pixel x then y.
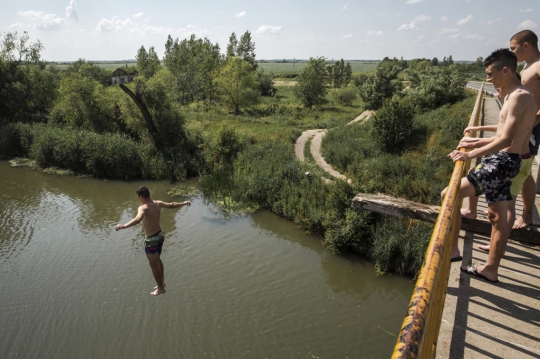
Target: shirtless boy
{"type": "Point", "coordinates": [149, 213]}
{"type": "Point", "coordinates": [493, 177]}
{"type": "Point", "coordinates": [525, 45]}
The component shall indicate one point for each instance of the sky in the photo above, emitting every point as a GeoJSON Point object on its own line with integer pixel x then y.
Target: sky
{"type": "Point", "coordinates": [100, 30]}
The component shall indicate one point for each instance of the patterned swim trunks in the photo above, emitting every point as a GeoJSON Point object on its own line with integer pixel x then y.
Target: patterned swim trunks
{"type": "Point", "coordinates": [493, 176]}
{"type": "Point", "coordinates": [154, 244]}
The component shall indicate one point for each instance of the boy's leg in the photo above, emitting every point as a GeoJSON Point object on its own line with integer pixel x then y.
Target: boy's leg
{"type": "Point", "coordinates": [511, 216]}
{"type": "Point", "coordinates": [500, 230]}
{"type": "Point", "coordinates": [153, 260]}
{"type": "Point", "coordinates": [528, 194]}
{"type": "Point", "coordinates": [466, 189]}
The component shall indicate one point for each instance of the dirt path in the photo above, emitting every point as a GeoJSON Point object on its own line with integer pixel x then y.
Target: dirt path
{"type": "Point", "coordinates": [315, 147]}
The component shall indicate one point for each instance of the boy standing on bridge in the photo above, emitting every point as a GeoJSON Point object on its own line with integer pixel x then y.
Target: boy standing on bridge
{"type": "Point", "coordinates": [525, 45]}
{"type": "Point", "coordinates": [502, 161]}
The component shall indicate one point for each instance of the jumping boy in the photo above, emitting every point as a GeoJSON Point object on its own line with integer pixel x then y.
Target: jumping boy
{"type": "Point", "coordinates": [149, 213]}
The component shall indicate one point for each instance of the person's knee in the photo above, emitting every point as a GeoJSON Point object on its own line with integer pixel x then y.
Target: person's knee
{"type": "Point", "coordinates": [493, 216]}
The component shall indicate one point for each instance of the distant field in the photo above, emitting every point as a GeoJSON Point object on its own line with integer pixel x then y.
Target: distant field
{"type": "Point", "coordinates": [106, 65]}
{"type": "Point", "coordinates": [278, 68]}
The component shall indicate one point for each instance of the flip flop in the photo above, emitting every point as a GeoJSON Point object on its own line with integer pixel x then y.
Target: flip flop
{"type": "Point", "coordinates": [457, 259]}
{"type": "Point", "coordinates": [473, 271]}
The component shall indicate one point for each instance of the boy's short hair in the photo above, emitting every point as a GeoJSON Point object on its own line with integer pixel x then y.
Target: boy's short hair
{"type": "Point", "coordinates": [502, 58]}
{"type": "Point", "coordinates": [143, 192]}
{"type": "Point", "coordinates": [526, 36]}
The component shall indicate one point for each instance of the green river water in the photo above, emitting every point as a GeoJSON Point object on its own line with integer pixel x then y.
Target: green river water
{"type": "Point", "coordinates": [252, 286]}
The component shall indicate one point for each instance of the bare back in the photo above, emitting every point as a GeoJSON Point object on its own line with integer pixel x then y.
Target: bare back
{"type": "Point", "coordinates": [530, 78]}
{"type": "Point", "coordinates": [516, 119]}
{"type": "Point", "coordinates": [151, 216]}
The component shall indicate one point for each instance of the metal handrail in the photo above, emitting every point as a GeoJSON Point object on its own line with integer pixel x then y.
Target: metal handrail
{"type": "Point", "coordinates": [420, 328]}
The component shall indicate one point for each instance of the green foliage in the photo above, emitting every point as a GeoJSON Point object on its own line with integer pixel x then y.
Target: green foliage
{"type": "Point", "coordinates": [340, 74]}
{"type": "Point", "coordinates": [435, 86]}
{"type": "Point", "coordinates": [266, 83]}
{"type": "Point", "coordinates": [238, 84]}
{"type": "Point", "coordinates": [375, 88]}
{"type": "Point", "coordinates": [83, 103]}
{"type": "Point", "coordinates": [345, 97]}
{"type": "Point", "coordinates": [244, 49]}
{"type": "Point", "coordinates": [27, 88]}
{"type": "Point", "coordinates": [311, 83]}
{"type": "Point", "coordinates": [90, 70]}
{"type": "Point", "coordinates": [399, 245]}
{"type": "Point", "coordinates": [147, 62]}
{"type": "Point", "coordinates": [15, 140]}
{"type": "Point", "coordinates": [392, 125]}
{"type": "Point", "coordinates": [194, 64]}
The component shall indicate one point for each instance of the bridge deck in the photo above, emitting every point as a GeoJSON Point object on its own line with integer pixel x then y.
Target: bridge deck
{"type": "Point", "coordinates": [485, 320]}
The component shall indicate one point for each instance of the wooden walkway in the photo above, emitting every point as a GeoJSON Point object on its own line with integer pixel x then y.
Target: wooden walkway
{"type": "Point", "coordinates": [486, 320]}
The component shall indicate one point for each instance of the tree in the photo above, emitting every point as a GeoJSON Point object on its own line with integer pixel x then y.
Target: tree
{"type": "Point", "coordinates": [376, 88]}
{"type": "Point", "coordinates": [232, 46]}
{"type": "Point", "coordinates": [238, 84]}
{"type": "Point", "coordinates": [393, 125]}
{"type": "Point", "coordinates": [147, 62]}
{"type": "Point", "coordinates": [83, 103]}
{"type": "Point", "coordinates": [435, 61]}
{"type": "Point", "coordinates": [90, 70]}
{"type": "Point", "coordinates": [311, 87]}
{"type": "Point", "coordinates": [435, 86]}
{"type": "Point", "coordinates": [27, 88]}
{"type": "Point", "coordinates": [194, 63]}
{"type": "Point", "coordinates": [246, 49]}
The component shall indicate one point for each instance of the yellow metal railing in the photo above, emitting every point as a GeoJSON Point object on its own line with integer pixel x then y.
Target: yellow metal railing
{"type": "Point", "coordinates": [420, 329]}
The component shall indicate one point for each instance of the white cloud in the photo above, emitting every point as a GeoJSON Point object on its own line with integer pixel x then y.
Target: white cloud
{"type": "Point", "coordinates": [241, 14]}
{"type": "Point", "coordinates": [444, 18]}
{"type": "Point", "coordinates": [465, 20]}
{"type": "Point", "coordinates": [414, 23]}
{"type": "Point", "coordinates": [71, 11]}
{"type": "Point", "coordinates": [527, 24]}
{"type": "Point", "coordinates": [526, 10]}
{"type": "Point", "coordinates": [413, 1]}
{"type": "Point", "coordinates": [137, 15]}
{"type": "Point", "coordinates": [348, 36]}
{"type": "Point", "coordinates": [374, 33]}
{"type": "Point", "coordinates": [268, 30]}
{"type": "Point", "coordinates": [345, 7]}
{"type": "Point", "coordinates": [132, 27]}
{"type": "Point", "coordinates": [458, 37]}
{"type": "Point", "coordinates": [17, 24]}
{"type": "Point", "coordinates": [44, 21]}
{"type": "Point", "coordinates": [420, 38]}
{"type": "Point", "coordinates": [494, 21]}
{"type": "Point", "coordinates": [446, 30]}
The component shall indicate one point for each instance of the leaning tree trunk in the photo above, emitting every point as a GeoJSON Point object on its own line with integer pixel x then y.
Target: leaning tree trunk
{"type": "Point", "coordinates": [144, 111]}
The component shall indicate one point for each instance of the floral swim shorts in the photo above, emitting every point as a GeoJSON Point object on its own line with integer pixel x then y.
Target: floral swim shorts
{"type": "Point", "coordinates": [493, 176]}
{"type": "Point", "coordinates": [154, 244]}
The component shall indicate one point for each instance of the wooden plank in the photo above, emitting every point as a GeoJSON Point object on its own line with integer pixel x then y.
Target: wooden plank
{"type": "Point", "coordinates": [400, 207]}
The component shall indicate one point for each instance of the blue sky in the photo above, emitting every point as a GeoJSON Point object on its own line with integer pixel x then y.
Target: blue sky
{"type": "Point", "coordinates": [116, 29]}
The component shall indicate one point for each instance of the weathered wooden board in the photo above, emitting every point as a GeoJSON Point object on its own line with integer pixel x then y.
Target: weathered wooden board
{"type": "Point", "coordinates": [399, 207]}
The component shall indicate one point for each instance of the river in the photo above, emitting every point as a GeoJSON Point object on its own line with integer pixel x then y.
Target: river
{"type": "Point", "coordinates": [252, 286]}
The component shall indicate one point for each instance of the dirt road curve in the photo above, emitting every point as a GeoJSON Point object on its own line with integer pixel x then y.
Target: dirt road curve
{"type": "Point", "coordinates": [315, 147]}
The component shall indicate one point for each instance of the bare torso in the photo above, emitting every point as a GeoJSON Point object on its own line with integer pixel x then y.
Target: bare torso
{"type": "Point", "coordinates": [522, 106]}
{"type": "Point", "coordinates": [150, 221]}
{"type": "Point", "coordinates": [530, 78]}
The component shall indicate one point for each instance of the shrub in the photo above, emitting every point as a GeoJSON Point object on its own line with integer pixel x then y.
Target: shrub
{"type": "Point", "coordinates": [393, 125]}
{"type": "Point", "coordinates": [345, 97]}
{"type": "Point", "coordinates": [399, 245]}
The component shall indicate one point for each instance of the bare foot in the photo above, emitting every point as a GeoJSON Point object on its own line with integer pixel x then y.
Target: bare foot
{"type": "Point", "coordinates": [156, 287]}
{"type": "Point", "coordinates": [521, 223]}
{"type": "Point", "coordinates": [466, 213]}
{"type": "Point", "coordinates": [158, 292]}
{"type": "Point", "coordinates": [484, 247]}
